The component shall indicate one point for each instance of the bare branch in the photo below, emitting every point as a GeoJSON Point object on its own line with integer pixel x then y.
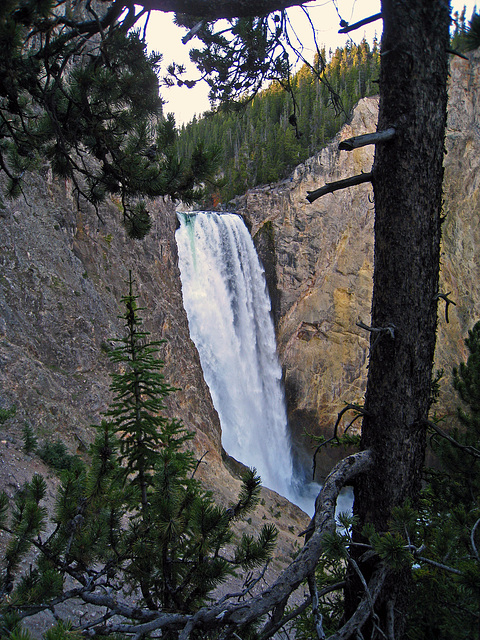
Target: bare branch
{"type": "Point", "coordinates": [360, 412]}
{"type": "Point", "coordinates": [363, 610]}
{"type": "Point", "coordinates": [330, 187]}
{"type": "Point", "coordinates": [438, 565]}
{"type": "Point", "coordinates": [368, 595]}
{"type": "Point", "coordinates": [471, 450]}
{"type": "Point", "coordinates": [269, 630]}
{"type": "Point", "coordinates": [357, 25]}
{"type": "Point", "coordinates": [444, 296]}
{"type": "Point", "coordinates": [317, 616]}
{"type": "Point", "coordinates": [472, 540]}
{"type": "Point", "coordinates": [368, 138]}
{"type": "Point", "coordinates": [215, 9]}
{"type": "Point", "coordinates": [454, 52]}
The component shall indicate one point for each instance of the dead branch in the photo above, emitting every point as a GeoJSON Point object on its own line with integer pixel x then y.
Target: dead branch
{"type": "Point", "coordinates": [354, 407]}
{"type": "Point", "coordinates": [438, 565]}
{"type": "Point", "coordinates": [317, 616]}
{"type": "Point", "coordinates": [330, 187]}
{"type": "Point", "coordinates": [368, 138]}
{"type": "Point", "coordinates": [444, 296]}
{"type": "Point", "coordinates": [471, 450]}
{"type": "Point", "coordinates": [454, 52]}
{"type": "Point", "coordinates": [361, 23]}
{"type": "Point", "coordinates": [363, 611]}
{"type": "Point", "coordinates": [390, 329]}
{"type": "Point", "coordinates": [368, 595]}
{"type": "Point", "coordinates": [472, 540]}
{"type": "Point", "coordinates": [269, 630]}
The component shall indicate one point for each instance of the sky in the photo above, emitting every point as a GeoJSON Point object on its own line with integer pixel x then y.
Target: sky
{"type": "Point", "coordinates": [165, 37]}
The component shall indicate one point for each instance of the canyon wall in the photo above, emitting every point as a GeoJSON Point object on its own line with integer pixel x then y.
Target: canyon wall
{"type": "Point", "coordinates": [63, 273]}
{"type": "Point", "coordinates": [319, 262]}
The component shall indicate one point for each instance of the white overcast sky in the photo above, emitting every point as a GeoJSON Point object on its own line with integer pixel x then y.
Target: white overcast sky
{"type": "Point", "coordinates": [165, 37]}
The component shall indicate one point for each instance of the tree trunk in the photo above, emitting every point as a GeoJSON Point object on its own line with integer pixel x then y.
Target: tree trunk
{"type": "Point", "coordinates": [407, 180]}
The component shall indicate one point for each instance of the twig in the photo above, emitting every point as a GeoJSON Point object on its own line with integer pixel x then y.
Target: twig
{"type": "Point", "coordinates": [362, 613]}
{"type": "Point", "coordinates": [323, 495]}
{"type": "Point", "coordinates": [194, 30]}
{"type": "Point", "coordinates": [269, 630]}
{"type": "Point", "coordinates": [330, 187]}
{"type": "Point", "coordinates": [381, 331]}
{"type": "Point", "coordinates": [199, 462]}
{"type": "Point", "coordinates": [370, 600]}
{"type": "Point", "coordinates": [368, 138]}
{"type": "Point", "coordinates": [438, 565]}
{"type": "Point", "coordinates": [390, 329]}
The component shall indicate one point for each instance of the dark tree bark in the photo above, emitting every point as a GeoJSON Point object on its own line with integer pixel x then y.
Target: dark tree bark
{"type": "Point", "coordinates": [215, 9]}
{"type": "Point", "coordinates": [407, 180]}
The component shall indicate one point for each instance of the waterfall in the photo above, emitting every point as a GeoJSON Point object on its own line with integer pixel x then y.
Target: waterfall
{"type": "Point", "coordinates": [228, 309]}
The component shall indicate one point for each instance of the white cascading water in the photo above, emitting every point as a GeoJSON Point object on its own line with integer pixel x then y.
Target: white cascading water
{"type": "Point", "coordinates": [228, 309]}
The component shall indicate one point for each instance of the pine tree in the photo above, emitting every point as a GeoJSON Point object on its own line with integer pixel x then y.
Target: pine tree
{"type": "Point", "coordinates": [446, 604]}
{"type": "Point", "coordinates": [133, 522]}
{"type": "Point", "coordinates": [79, 89]}
{"type": "Point", "coordinates": [467, 38]}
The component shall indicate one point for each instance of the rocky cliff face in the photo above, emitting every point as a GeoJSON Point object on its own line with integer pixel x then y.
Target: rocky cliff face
{"type": "Point", "coordinates": [319, 261]}
{"type": "Point", "coordinates": [63, 274]}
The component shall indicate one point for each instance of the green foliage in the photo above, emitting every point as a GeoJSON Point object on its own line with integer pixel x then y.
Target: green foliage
{"type": "Point", "coordinates": [445, 603]}
{"type": "Point", "coordinates": [466, 381]}
{"type": "Point", "coordinates": [260, 145]}
{"type": "Point", "coordinates": [6, 414]}
{"type": "Point", "coordinates": [62, 631]}
{"type": "Point", "coordinates": [466, 37]}
{"type": "Point", "coordinates": [29, 440]}
{"type": "Point", "coordinates": [56, 455]}
{"type": "Point", "coordinates": [134, 521]}
{"type": "Point", "coordinates": [80, 91]}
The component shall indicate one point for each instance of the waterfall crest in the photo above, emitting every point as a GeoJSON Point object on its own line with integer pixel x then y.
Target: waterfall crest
{"type": "Point", "coordinates": [228, 309]}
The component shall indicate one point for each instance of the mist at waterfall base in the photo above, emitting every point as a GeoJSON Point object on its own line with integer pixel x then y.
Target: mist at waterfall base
{"type": "Point", "coordinates": [229, 316]}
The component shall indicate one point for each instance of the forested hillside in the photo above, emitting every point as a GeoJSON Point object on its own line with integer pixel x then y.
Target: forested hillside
{"type": "Point", "coordinates": [260, 144]}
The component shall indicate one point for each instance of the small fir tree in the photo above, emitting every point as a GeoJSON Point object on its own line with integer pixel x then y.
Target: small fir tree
{"type": "Point", "coordinates": [132, 526]}
{"type": "Point", "coordinates": [29, 439]}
